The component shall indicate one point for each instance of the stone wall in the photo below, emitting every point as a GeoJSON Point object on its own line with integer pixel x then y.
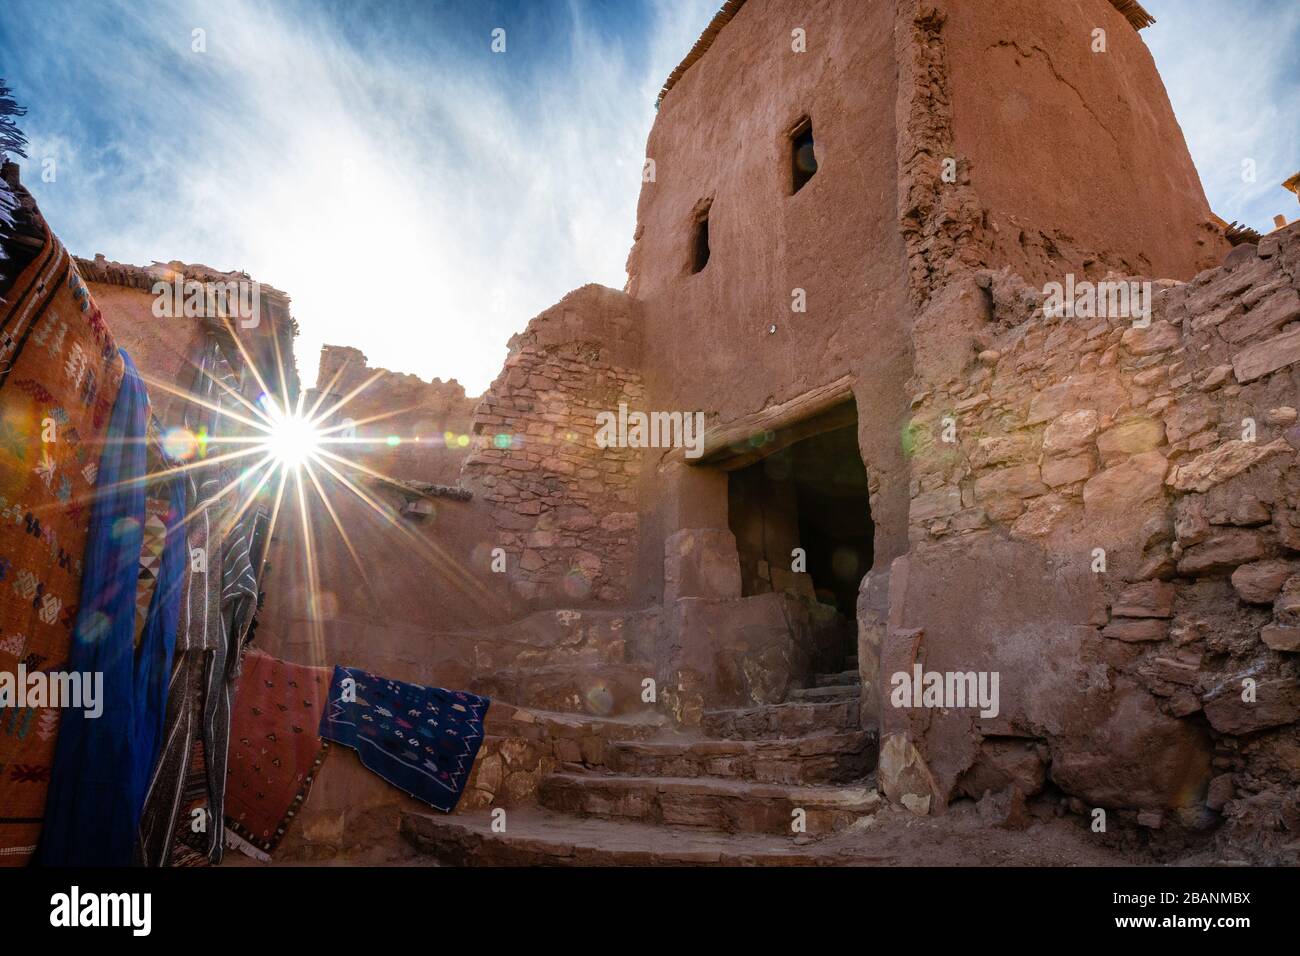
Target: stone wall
{"type": "Point", "coordinates": [1166, 452]}
{"type": "Point", "coordinates": [564, 508]}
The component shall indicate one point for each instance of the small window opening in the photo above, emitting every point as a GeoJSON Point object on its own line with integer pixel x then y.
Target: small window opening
{"type": "Point", "coordinates": [803, 159]}
{"type": "Point", "coordinates": [700, 244]}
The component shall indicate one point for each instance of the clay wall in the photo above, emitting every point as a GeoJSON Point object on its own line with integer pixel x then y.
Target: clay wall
{"type": "Point", "coordinates": [726, 341]}
{"type": "Point", "coordinates": [1075, 156]}
{"type": "Point", "coordinates": [892, 90]}
{"type": "Point", "coordinates": [163, 347]}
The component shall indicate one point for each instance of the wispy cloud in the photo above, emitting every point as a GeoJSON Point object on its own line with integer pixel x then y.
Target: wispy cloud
{"type": "Point", "coordinates": [1233, 76]}
{"type": "Point", "coordinates": [418, 195]}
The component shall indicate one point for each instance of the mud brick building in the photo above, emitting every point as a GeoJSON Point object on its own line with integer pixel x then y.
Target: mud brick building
{"type": "Point", "coordinates": [840, 260]}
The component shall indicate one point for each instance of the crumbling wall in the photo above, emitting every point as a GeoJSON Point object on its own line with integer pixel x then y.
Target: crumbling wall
{"type": "Point", "coordinates": [163, 347]}
{"type": "Point", "coordinates": [541, 514]}
{"type": "Point", "coordinates": [405, 427]}
{"type": "Point", "coordinates": [1109, 515]}
{"type": "Point", "coordinates": [564, 507]}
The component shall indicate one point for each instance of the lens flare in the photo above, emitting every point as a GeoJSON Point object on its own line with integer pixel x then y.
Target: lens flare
{"type": "Point", "coordinates": [180, 444]}
{"type": "Point", "coordinates": [292, 439]}
{"type": "Point", "coordinates": [270, 445]}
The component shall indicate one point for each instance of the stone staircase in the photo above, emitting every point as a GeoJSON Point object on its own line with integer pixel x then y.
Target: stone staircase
{"type": "Point", "coordinates": [844, 685]}
{"type": "Point", "coordinates": [726, 796]}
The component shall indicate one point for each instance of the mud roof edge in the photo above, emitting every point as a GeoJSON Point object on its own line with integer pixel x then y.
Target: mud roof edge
{"type": "Point", "coordinates": [1131, 9]}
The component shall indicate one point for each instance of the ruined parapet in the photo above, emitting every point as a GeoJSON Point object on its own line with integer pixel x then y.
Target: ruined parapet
{"type": "Point", "coordinates": [406, 428]}
{"type": "Point", "coordinates": [564, 506]}
{"type": "Point", "coordinates": [336, 361]}
{"type": "Point", "coordinates": [1133, 482]}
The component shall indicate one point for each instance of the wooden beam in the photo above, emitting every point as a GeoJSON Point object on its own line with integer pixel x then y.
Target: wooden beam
{"type": "Point", "coordinates": [774, 440]}
{"type": "Point", "coordinates": [743, 441]}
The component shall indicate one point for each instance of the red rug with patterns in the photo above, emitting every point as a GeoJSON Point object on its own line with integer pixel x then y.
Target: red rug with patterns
{"type": "Point", "coordinates": [275, 752]}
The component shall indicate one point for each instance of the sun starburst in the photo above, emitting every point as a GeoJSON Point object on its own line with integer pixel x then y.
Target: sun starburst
{"type": "Point", "coordinates": [262, 447]}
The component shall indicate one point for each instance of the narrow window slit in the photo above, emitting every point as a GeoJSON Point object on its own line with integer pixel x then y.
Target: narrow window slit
{"type": "Point", "coordinates": [700, 243]}
{"type": "Point", "coordinates": [803, 158]}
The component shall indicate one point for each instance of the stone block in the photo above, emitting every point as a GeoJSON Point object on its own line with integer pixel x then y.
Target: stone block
{"type": "Point", "coordinates": [1225, 550]}
{"type": "Point", "coordinates": [1136, 630]}
{"type": "Point", "coordinates": [1281, 638]}
{"type": "Point", "coordinates": [1260, 581]}
{"type": "Point", "coordinates": [1148, 599]}
{"type": "Point", "coordinates": [1228, 460]}
{"type": "Point", "coordinates": [1070, 431]}
{"type": "Point", "coordinates": [1118, 489]}
{"type": "Point", "coordinates": [903, 775]}
{"type": "Point", "coordinates": [1275, 703]}
{"type": "Point", "coordinates": [1189, 416]}
{"type": "Point", "coordinates": [1157, 337]}
{"type": "Point", "coordinates": [1066, 471]}
{"type": "Point", "coordinates": [939, 503]}
{"type": "Point", "coordinates": [1260, 359]}
{"type": "Point", "coordinates": [701, 562]}
{"type": "Point", "coordinates": [1001, 450]}
{"type": "Point", "coordinates": [1018, 481]}
{"type": "Point", "coordinates": [1131, 438]}
{"type": "Point", "coordinates": [1271, 314]}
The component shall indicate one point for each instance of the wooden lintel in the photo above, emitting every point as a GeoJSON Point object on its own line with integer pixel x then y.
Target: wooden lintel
{"type": "Point", "coordinates": [737, 443]}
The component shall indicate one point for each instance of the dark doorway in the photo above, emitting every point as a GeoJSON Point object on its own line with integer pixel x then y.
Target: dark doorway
{"type": "Point", "coordinates": [811, 494]}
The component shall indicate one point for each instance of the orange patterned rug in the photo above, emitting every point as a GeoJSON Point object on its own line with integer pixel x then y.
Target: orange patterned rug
{"type": "Point", "coordinates": [59, 376]}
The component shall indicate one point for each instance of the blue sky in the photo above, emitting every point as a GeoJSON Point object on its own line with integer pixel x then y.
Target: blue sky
{"type": "Point", "coordinates": [1232, 71]}
{"type": "Point", "coordinates": [421, 197]}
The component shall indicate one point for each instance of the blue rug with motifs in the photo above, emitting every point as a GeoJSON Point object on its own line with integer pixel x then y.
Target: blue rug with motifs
{"type": "Point", "coordinates": [420, 739]}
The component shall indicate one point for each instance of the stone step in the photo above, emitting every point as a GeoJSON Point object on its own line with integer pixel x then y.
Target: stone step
{"type": "Point", "coordinates": [507, 720]}
{"type": "Point", "coordinates": [538, 838]}
{"type": "Point", "coordinates": [768, 721]}
{"type": "Point", "coordinates": [734, 806]}
{"type": "Point", "coordinates": [824, 758]}
{"type": "Point", "coordinates": [829, 692]}
{"type": "Point", "coordinates": [841, 678]}
{"type": "Point", "coordinates": [522, 745]}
